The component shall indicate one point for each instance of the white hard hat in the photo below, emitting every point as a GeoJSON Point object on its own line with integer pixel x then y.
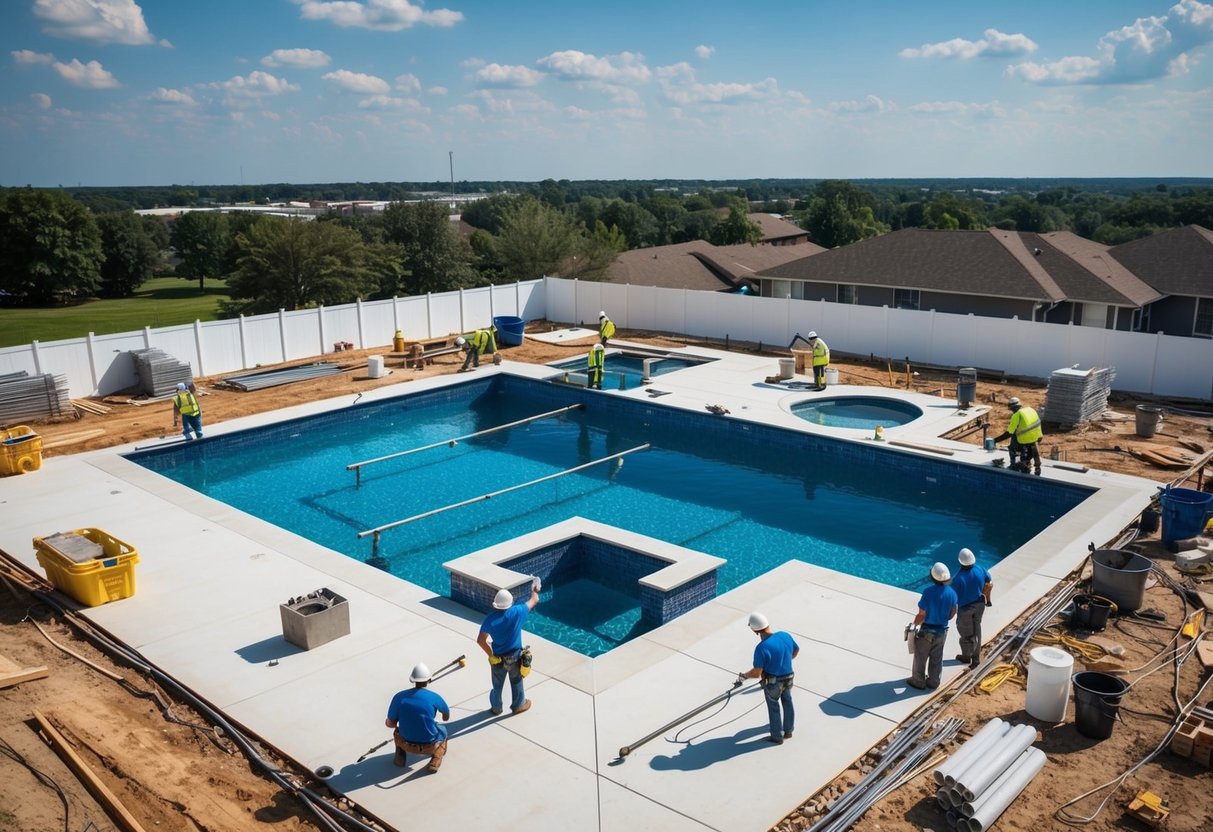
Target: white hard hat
{"type": "Point", "coordinates": [601, 315]}
{"type": "Point", "coordinates": [812, 334]}
{"type": "Point", "coordinates": [504, 600]}
{"type": "Point", "coordinates": [460, 341]}
{"type": "Point", "coordinates": [940, 572]}
{"type": "Point", "coordinates": [758, 621]}
{"type": "Point", "coordinates": [599, 347]}
{"type": "Point", "coordinates": [966, 557]}
{"type": "Point", "coordinates": [1013, 401]}
{"type": "Point", "coordinates": [420, 673]}
{"type": "Point", "coordinates": [181, 385]}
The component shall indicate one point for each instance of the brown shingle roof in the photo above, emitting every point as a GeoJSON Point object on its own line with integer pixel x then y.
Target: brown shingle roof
{"type": "Point", "coordinates": [1086, 272]}
{"type": "Point", "coordinates": [700, 265]}
{"type": "Point", "coordinates": [1175, 262]}
{"type": "Point", "coordinates": [776, 228]}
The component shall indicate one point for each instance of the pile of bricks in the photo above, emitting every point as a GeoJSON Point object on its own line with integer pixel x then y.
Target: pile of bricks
{"type": "Point", "coordinates": [1194, 739]}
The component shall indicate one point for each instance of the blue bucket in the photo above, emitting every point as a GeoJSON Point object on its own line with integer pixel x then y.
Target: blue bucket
{"type": "Point", "coordinates": [1184, 513]}
{"type": "Point", "coordinates": [510, 330]}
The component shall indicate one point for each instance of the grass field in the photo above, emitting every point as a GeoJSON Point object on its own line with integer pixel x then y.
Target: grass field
{"type": "Point", "coordinates": [162, 301]}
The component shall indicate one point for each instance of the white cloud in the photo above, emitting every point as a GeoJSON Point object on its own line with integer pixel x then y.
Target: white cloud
{"type": "Point", "coordinates": [500, 75]}
{"type": "Point", "coordinates": [297, 58]}
{"type": "Point", "coordinates": [381, 15]}
{"type": "Point", "coordinates": [388, 102]}
{"type": "Point", "coordinates": [1148, 49]}
{"type": "Point", "coordinates": [166, 43]}
{"type": "Point", "coordinates": [357, 82]}
{"type": "Point", "coordinates": [990, 110]}
{"type": "Point", "coordinates": [995, 44]}
{"type": "Point", "coordinates": [571, 65]}
{"type": "Point", "coordinates": [90, 76]}
{"type": "Point", "coordinates": [27, 57]}
{"type": "Point", "coordinates": [41, 100]}
{"type": "Point", "coordinates": [704, 52]}
{"type": "Point", "coordinates": [513, 102]}
{"type": "Point", "coordinates": [679, 86]}
{"type": "Point", "coordinates": [472, 63]}
{"type": "Point", "coordinates": [868, 104]}
{"type": "Point", "coordinates": [242, 89]}
{"type": "Point", "coordinates": [470, 111]}
{"type": "Point", "coordinates": [408, 84]}
{"type": "Point", "coordinates": [437, 91]}
{"type": "Point", "coordinates": [172, 97]}
{"type": "Point", "coordinates": [101, 21]}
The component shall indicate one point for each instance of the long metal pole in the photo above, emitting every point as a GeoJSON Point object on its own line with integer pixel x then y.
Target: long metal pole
{"type": "Point", "coordinates": [378, 529]}
{"type": "Point", "coordinates": [461, 662]}
{"type": "Point", "coordinates": [357, 466]}
{"type": "Point", "coordinates": [628, 749]}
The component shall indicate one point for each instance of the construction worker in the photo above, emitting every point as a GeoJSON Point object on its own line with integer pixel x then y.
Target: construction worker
{"type": "Point", "coordinates": [185, 405]}
{"type": "Point", "coordinates": [411, 718]}
{"type": "Point", "coordinates": [972, 585]}
{"type": "Point", "coordinates": [481, 342]}
{"type": "Point", "coordinates": [597, 362]}
{"type": "Point", "coordinates": [821, 359]}
{"type": "Point", "coordinates": [936, 608]}
{"type": "Point", "coordinates": [773, 665]}
{"type": "Point", "coordinates": [1024, 432]}
{"type": "Point", "coordinates": [606, 329]}
{"type": "Point", "coordinates": [501, 640]}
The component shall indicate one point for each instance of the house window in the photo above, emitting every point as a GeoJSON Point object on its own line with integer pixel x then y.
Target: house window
{"type": "Point", "coordinates": [905, 298]}
{"type": "Point", "coordinates": [1141, 319]}
{"type": "Point", "coordinates": [1204, 318]}
{"type": "Point", "coordinates": [848, 294]}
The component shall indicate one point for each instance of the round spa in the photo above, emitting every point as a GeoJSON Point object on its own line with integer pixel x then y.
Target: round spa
{"type": "Point", "coordinates": [856, 412]}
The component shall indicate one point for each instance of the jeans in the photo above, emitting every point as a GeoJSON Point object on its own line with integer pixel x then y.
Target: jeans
{"type": "Point", "coordinates": [510, 667]}
{"type": "Point", "coordinates": [193, 423]}
{"type": "Point", "coordinates": [778, 692]}
{"type": "Point", "coordinates": [928, 657]}
{"type": "Point", "coordinates": [968, 627]}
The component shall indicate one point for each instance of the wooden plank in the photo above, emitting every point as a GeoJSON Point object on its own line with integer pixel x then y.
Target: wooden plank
{"type": "Point", "coordinates": [12, 673]}
{"type": "Point", "coordinates": [72, 438]}
{"type": "Point", "coordinates": [113, 806]}
{"type": "Point", "coordinates": [1204, 652]}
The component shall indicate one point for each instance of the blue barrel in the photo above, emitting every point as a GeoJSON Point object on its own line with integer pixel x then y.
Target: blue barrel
{"type": "Point", "coordinates": [509, 330]}
{"type": "Point", "coordinates": [1184, 513]}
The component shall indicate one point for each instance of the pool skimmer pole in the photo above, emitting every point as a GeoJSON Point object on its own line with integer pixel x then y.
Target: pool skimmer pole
{"type": "Point", "coordinates": [628, 749]}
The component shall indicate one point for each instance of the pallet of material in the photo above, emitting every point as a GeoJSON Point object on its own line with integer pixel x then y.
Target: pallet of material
{"type": "Point", "coordinates": [90, 407]}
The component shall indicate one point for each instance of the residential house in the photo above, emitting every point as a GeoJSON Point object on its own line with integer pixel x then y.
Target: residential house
{"type": "Point", "coordinates": [702, 266]}
{"type": "Point", "coordinates": [776, 231]}
{"type": "Point", "coordinates": [1179, 264]}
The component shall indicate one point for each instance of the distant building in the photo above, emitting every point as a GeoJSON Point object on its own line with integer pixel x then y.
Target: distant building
{"type": "Point", "coordinates": [776, 231]}
{"type": "Point", "coordinates": [701, 265]}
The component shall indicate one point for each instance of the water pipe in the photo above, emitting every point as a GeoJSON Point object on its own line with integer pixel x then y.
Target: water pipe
{"type": "Point", "coordinates": [990, 810]}
{"type": "Point", "coordinates": [993, 729]}
{"type": "Point", "coordinates": [970, 807]}
{"type": "Point", "coordinates": [980, 754]}
{"type": "Point", "coordinates": [979, 777]}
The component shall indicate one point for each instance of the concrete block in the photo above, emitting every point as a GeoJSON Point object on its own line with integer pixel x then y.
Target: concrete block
{"type": "Point", "coordinates": [315, 619]}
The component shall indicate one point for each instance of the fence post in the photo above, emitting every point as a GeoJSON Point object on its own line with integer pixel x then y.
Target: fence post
{"type": "Point", "coordinates": [243, 343]}
{"type": "Point", "coordinates": [429, 314]}
{"type": "Point", "coordinates": [147, 337]}
{"type": "Point", "coordinates": [321, 328]}
{"type": "Point", "coordinates": [91, 346]}
{"type": "Point", "coordinates": [198, 346]}
{"type": "Point", "coordinates": [462, 313]}
{"type": "Point", "coordinates": [518, 299]}
{"type": "Point", "coordinates": [37, 357]}
{"type": "Point", "coordinates": [395, 313]}
{"type": "Point", "coordinates": [282, 332]}
{"type": "Point", "coordinates": [361, 333]}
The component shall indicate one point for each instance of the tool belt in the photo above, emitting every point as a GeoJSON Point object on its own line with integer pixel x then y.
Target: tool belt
{"type": "Point", "coordinates": [524, 661]}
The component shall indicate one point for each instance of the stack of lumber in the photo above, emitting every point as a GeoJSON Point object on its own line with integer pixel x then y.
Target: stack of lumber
{"type": "Point", "coordinates": [90, 407]}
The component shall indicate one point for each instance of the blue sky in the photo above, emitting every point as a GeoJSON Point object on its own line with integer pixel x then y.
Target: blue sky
{"type": "Point", "coordinates": [121, 92]}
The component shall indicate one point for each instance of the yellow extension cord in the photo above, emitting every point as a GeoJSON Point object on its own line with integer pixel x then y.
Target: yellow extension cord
{"type": "Point", "coordinates": [1085, 650]}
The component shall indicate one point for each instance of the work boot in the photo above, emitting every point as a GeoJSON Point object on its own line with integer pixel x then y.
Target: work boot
{"type": "Point", "coordinates": [399, 759]}
{"type": "Point", "coordinates": [787, 735]}
{"type": "Point", "coordinates": [775, 740]}
{"type": "Point", "coordinates": [525, 706]}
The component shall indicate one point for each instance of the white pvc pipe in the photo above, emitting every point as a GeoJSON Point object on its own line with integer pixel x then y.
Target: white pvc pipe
{"type": "Point", "coordinates": [955, 797]}
{"type": "Point", "coordinates": [993, 729]}
{"type": "Point", "coordinates": [979, 777]}
{"type": "Point", "coordinates": [969, 807]}
{"type": "Point", "coordinates": [952, 818]}
{"type": "Point", "coordinates": [990, 810]}
{"type": "Point", "coordinates": [942, 798]}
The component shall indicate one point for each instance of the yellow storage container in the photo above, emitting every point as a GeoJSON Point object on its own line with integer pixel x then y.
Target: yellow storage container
{"type": "Point", "coordinates": [89, 565]}
{"type": "Point", "coordinates": [20, 451]}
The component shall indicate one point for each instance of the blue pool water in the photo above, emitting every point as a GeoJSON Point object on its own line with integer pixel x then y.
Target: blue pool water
{"type": "Point", "coordinates": [624, 371]}
{"type": "Point", "coordinates": [856, 412]}
{"type": "Point", "coordinates": [753, 495]}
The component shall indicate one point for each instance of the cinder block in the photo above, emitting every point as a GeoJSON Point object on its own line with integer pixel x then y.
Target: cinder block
{"type": "Point", "coordinates": [315, 619]}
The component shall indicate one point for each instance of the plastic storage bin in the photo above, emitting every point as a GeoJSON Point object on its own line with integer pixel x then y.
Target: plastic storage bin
{"type": "Point", "coordinates": [90, 565]}
{"type": "Point", "coordinates": [20, 451]}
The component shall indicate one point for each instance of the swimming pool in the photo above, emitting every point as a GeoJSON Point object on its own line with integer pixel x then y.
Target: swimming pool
{"type": "Point", "coordinates": [624, 371]}
{"type": "Point", "coordinates": [857, 412]}
{"type": "Point", "coordinates": [752, 494]}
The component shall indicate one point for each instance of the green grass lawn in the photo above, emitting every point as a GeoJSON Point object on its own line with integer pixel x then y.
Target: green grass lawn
{"type": "Point", "coordinates": [162, 301]}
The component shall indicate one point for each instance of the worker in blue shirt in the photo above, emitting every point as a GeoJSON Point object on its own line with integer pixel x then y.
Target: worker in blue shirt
{"type": "Point", "coordinates": [973, 587]}
{"type": "Point", "coordinates": [773, 665]}
{"type": "Point", "coordinates": [936, 608]}
{"type": "Point", "coordinates": [411, 718]}
{"type": "Point", "coordinates": [501, 640]}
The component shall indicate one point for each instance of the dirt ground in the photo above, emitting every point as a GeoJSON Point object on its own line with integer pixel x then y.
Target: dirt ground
{"type": "Point", "coordinates": [174, 776]}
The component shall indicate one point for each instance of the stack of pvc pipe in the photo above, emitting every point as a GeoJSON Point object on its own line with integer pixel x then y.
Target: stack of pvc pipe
{"type": "Point", "coordinates": [983, 778]}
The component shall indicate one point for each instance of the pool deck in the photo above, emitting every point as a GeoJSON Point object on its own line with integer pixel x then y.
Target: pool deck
{"type": "Point", "coordinates": [210, 580]}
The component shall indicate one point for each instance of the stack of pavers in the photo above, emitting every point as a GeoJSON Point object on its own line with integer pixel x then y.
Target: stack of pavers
{"type": "Point", "coordinates": [1074, 395]}
{"type": "Point", "coordinates": [160, 373]}
{"type": "Point", "coordinates": [26, 398]}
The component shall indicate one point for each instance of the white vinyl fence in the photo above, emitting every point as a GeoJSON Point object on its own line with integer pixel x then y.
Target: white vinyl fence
{"type": "Point", "coordinates": [1162, 365]}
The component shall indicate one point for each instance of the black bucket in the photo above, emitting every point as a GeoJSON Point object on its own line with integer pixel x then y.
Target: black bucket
{"type": "Point", "coordinates": [1096, 703]}
{"type": "Point", "coordinates": [1090, 613]}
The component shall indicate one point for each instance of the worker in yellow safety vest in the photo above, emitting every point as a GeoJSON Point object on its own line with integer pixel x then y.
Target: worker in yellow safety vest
{"type": "Point", "coordinates": [1024, 432]}
{"type": "Point", "coordinates": [185, 405]}
{"type": "Point", "coordinates": [481, 342]}
{"type": "Point", "coordinates": [606, 329]}
{"type": "Point", "coordinates": [597, 362]}
{"type": "Point", "coordinates": [821, 359]}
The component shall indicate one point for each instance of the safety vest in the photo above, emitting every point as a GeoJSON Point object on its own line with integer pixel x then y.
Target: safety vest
{"type": "Point", "coordinates": [186, 404]}
{"type": "Point", "coordinates": [1025, 426]}
{"type": "Point", "coordinates": [821, 353]}
{"type": "Point", "coordinates": [481, 339]}
{"type": "Point", "coordinates": [596, 361]}
{"type": "Point", "coordinates": [606, 329]}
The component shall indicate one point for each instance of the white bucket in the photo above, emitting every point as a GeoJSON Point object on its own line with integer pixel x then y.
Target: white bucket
{"type": "Point", "coordinates": [831, 375]}
{"type": "Point", "coordinates": [1049, 671]}
{"type": "Point", "coordinates": [787, 368]}
{"type": "Point", "coordinates": [374, 366]}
